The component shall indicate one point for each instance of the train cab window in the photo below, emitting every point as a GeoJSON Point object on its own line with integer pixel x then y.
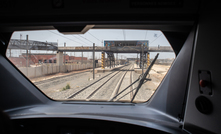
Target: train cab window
{"type": "Point", "coordinates": [130, 64]}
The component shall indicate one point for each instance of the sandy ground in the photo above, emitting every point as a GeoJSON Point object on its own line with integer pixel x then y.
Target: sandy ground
{"type": "Point", "coordinates": [156, 75]}
{"type": "Point", "coordinates": [53, 84]}
{"type": "Point", "coordinates": [46, 77]}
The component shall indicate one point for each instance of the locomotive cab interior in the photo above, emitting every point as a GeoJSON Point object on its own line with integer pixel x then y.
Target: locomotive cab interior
{"type": "Point", "coordinates": [186, 101]}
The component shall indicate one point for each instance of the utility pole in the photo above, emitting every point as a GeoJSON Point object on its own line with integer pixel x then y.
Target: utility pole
{"type": "Point", "coordinates": [10, 52]}
{"type": "Point", "coordinates": [142, 58]}
{"type": "Point", "coordinates": [82, 57]}
{"type": "Point", "coordinates": [27, 57]}
{"type": "Point", "coordinates": [117, 59]}
{"type": "Point", "coordinates": [64, 58]}
{"type": "Point", "coordinates": [137, 59]}
{"type": "Point", "coordinates": [20, 43]}
{"type": "Point", "coordinates": [93, 60]}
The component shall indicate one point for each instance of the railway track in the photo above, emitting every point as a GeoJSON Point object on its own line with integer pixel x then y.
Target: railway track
{"type": "Point", "coordinates": [94, 90]}
{"type": "Point", "coordinates": [123, 82]}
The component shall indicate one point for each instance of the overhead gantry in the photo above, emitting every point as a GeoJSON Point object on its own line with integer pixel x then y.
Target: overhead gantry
{"type": "Point", "coordinates": [53, 46]}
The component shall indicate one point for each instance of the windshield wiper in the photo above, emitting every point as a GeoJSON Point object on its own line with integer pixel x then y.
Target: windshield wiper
{"type": "Point", "coordinates": [130, 90]}
{"type": "Point", "coordinates": [124, 90]}
{"type": "Point", "coordinates": [141, 79]}
{"type": "Point", "coordinates": [144, 76]}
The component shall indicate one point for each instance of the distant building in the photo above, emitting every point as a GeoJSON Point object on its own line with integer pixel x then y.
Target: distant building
{"type": "Point", "coordinates": [131, 59]}
{"type": "Point", "coordinates": [42, 58]}
{"type": "Point", "coordinates": [18, 61]}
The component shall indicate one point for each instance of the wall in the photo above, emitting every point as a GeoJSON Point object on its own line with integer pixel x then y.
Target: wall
{"type": "Point", "coordinates": [32, 72]}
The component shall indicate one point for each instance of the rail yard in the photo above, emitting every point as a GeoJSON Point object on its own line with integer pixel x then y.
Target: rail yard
{"type": "Point", "coordinates": [104, 87]}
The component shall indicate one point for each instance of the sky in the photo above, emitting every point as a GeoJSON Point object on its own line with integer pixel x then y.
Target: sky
{"type": "Point", "coordinates": [96, 36]}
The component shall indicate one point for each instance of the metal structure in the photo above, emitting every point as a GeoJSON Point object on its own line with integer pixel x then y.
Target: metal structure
{"type": "Point", "coordinates": [113, 44]}
{"type": "Point", "coordinates": [53, 46]}
{"type": "Point", "coordinates": [93, 61]}
{"type": "Point", "coordinates": [110, 48]}
{"type": "Point", "coordinates": [126, 49]}
{"type": "Point", "coordinates": [103, 60]}
{"type": "Point", "coordinates": [143, 59]}
{"type": "Point", "coordinates": [32, 45]}
{"type": "Point", "coordinates": [110, 59]}
{"type": "Point", "coordinates": [148, 60]}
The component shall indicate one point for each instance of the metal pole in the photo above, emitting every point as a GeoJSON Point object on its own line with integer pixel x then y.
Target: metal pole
{"type": "Point", "coordinates": [110, 61]}
{"type": "Point", "coordinates": [117, 59]}
{"type": "Point", "coordinates": [82, 57]}
{"type": "Point", "coordinates": [10, 52]}
{"type": "Point", "coordinates": [137, 59]}
{"type": "Point", "coordinates": [114, 61]}
{"type": "Point", "coordinates": [142, 58]}
{"type": "Point", "coordinates": [27, 54]}
{"type": "Point", "coordinates": [93, 59]}
{"type": "Point", "coordinates": [20, 43]}
{"type": "Point", "coordinates": [26, 50]}
{"type": "Point", "coordinates": [64, 58]}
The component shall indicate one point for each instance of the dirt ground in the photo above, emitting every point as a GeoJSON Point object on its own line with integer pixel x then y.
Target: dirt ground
{"type": "Point", "coordinates": [156, 75]}
{"type": "Point", "coordinates": [53, 88]}
{"type": "Point", "coordinates": [46, 77]}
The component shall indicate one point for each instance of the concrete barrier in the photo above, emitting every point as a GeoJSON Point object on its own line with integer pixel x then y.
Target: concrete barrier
{"type": "Point", "coordinates": [49, 70]}
{"type": "Point", "coordinates": [31, 72]}
{"type": "Point", "coordinates": [52, 69]}
{"type": "Point", "coordinates": [38, 71]}
{"type": "Point", "coordinates": [62, 69]}
{"type": "Point", "coordinates": [23, 70]}
{"type": "Point", "coordinates": [44, 70]}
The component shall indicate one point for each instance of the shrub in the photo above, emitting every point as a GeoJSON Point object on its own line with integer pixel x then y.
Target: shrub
{"type": "Point", "coordinates": [68, 86]}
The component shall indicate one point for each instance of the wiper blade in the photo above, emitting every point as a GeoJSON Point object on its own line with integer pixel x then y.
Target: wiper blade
{"type": "Point", "coordinates": [127, 93]}
{"type": "Point", "coordinates": [144, 76]}
{"type": "Point", "coordinates": [124, 90]}
{"type": "Point", "coordinates": [131, 90]}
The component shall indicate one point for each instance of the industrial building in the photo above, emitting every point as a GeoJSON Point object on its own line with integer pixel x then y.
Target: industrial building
{"type": "Point", "coordinates": [36, 59]}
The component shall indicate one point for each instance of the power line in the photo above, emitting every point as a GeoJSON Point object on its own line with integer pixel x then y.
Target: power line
{"type": "Point", "coordinates": [79, 39]}
{"type": "Point", "coordinates": [146, 34]}
{"type": "Point", "coordinates": [94, 37]}
{"type": "Point", "coordinates": [86, 39]}
{"type": "Point", "coordinates": [155, 39]}
{"type": "Point", "coordinates": [65, 37]}
{"type": "Point", "coordinates": [124, 34]}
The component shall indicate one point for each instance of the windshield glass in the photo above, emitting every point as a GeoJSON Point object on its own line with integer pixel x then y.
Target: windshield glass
{"type": "Point", "coordinates": [100, 65]}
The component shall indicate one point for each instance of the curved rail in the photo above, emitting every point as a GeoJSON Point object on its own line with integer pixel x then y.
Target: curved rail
{"type": "Point", "coordinates": [81, 90]}
{"type": "Point", "coordinates": [115, 92]}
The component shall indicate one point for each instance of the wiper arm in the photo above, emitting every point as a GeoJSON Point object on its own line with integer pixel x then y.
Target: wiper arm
{"type": "Point", "coordinates": [124, 90]}
{"type": "Point", "coordinates": [144, 76]}
{"type": "Point", "coordinates": [131, 91]}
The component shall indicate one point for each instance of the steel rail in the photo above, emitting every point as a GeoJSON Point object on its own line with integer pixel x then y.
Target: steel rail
{"type": "Point", "coordinates": [79, 91]}
{"type": "Point", "coordinates": [117, 88]}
